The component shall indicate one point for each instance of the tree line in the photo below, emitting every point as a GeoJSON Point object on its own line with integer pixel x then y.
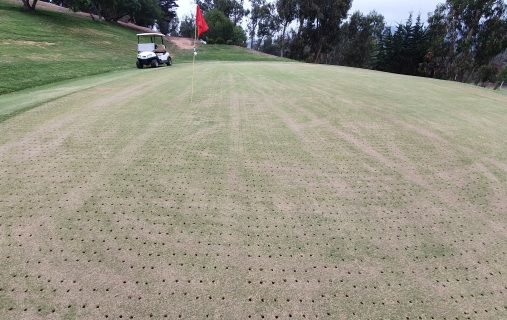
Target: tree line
{"type": "Point", "coordinates": [461, 40]}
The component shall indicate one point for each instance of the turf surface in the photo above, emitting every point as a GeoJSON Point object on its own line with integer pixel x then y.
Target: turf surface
{"type": "Point", "coordinates": [280, 191]}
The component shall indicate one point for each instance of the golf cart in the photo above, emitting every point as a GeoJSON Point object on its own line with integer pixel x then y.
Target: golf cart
{"type": "Point", "coordinates": [151, 50]}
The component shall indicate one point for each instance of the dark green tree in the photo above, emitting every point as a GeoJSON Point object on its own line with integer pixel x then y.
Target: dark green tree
{"type": "Point", "coordinates": [269, 23]}
{"type": "Point", "coordinates": [437, 59]}
{"type": "Point", "coordinates": [167, 15]}
{"type": "Point", "coordinates": [232, 9]}
{"type": "Point", "coordinates": [187, 27]}
{"type": "Point", "coordinates": [256, 13]}
{"type": "Point", "coordinates": [385, 49]}
{"type": "Point", "coordinates": [222, 30]}
{"type": "Point", "coordinates": [360, 40]}
{"type": "Point", "coordinates": [287, 11]}
{"type": "Point", "coordinates": [319, 21]}
{"type": "Point", "coordinates": [474, 34]}
{"type": "Point", "coordinates": [147, 13]}
{"type": "Point", "coordinates": [502, 78]}
{"type": "Point", "coordinates": [144, 12]}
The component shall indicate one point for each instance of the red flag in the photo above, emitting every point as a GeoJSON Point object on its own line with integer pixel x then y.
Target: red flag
{"type": "Point", "coordinates": [202, 26]}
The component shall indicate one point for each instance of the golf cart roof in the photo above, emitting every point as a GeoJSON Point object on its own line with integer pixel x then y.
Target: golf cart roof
{"type": "Point", "coordinates": [154, 34]}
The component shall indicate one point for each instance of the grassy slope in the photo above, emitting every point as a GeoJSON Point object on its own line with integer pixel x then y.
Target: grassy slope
{"type": "Point", "coordinates": [45, 47]}
{"type": "Point", "coordinates": [283, 190]}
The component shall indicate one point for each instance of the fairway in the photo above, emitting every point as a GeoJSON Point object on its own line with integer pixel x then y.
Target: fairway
{"type": "Point", "coordinates": [280, 191]}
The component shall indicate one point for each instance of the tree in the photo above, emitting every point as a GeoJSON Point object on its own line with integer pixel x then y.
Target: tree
{"type": "Point", "coordinates": [268, 22]}
{"type": "Point", "coordinates": [437, 60]}
{"type": "Point", "coordinates": [173, 26]}
{"type": "Point", "coordinates": [486, 74]}
{"type": "Point", "coordinates": [144, 12]}
{"type": "Point", "coordinates": [168, 14]}
{"type": "Point", "coordinates": [360, 40]}
{"type": "Point", "coordinates": [220, 27]}
{"type": "Point", "coordinates": [319, 21]}
{"type": "Point", "coordinates": [255, 15]}
{"type": "Point", "coordinates": [385, 47]}
{"type": "Point", "coordinates": [269, 46]}
{"type": "Point", "coordinates": [492, 37]}
{"type": "Point", "coordinates": [147, 13]}
{"type": "Point", "coordinates": [206, 5]}
{"type": "Point", "coordinates": [238, 37]}
{"type": "Point", "coordinates": [222, 30]}
{"type": "Point", "coordinates": [502, 78]}
{"type": "Point", "coordinates": [187, 27]}
{"type": "Point", "coordinates": [474, 32]}
{"type": "Point", "coordinates": [419, 46]}
{"type": "Point", "coordinates": [29, 6]}
{"type": "Point", "coordinates": [287, 13]}
{"type": "Point", "coordinates": [113, 10]}
{"type": "Point", "coordinates": [232, 9]}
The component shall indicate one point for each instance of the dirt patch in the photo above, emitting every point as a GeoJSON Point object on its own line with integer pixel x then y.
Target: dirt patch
{"type": "Point", "coordinates": [27, 43]}
{"type": "Point", "coordinates": [183, 43]}
{"type": "Point", "coordinates": [134, 27]}
{"type": "Point", "coordinates": [44, 57]}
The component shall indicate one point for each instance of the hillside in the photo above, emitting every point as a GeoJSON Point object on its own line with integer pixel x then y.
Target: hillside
{"type": "Point", "coordinates": [49, 46]}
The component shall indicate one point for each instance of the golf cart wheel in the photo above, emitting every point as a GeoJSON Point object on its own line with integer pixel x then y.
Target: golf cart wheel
{"type": "Point", "coordinates": [169, 61]}
{"type": "Point", "coordinates": [154, 63]}
{"type": "Point", "coordinates": [139, 65]}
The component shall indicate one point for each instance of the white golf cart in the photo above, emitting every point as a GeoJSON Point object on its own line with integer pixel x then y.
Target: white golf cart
{"type": "Point", "coordinates": [151, 50]}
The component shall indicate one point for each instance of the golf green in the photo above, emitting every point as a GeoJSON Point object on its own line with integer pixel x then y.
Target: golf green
{"type": "Point", "coordinates": [276, 191]}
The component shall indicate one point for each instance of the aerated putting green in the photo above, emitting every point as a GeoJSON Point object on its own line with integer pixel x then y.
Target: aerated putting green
{"type": "Point", "coordinates": [280, 191]}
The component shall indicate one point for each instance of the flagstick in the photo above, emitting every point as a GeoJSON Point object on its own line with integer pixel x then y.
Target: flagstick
{"type": "Point", "coordinates": [193, 62]}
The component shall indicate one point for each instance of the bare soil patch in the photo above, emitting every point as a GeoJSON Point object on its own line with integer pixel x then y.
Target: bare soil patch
{"type": "Point", "coordinates": [26, 43]}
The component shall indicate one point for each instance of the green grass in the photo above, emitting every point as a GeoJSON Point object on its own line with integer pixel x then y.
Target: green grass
{"type": "Point", "coordinates": [219, 52]}
{"type": "Point", "coordinates": [46, 47]}
{"type": "Point", "coordinates": [15, 103]}
{"type": "Point", "coordinates": [281, 190]}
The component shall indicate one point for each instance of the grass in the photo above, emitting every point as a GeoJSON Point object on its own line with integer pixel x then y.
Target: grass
{"type": "Point", "coordinates": [47, 47]}
{"type": "Point", "coordinates": [219, 52]}
{"type": "Point", "coordinates": [281, 190]}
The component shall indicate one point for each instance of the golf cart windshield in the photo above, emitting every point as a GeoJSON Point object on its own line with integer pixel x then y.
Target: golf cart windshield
{"type": "Point", "coordinates": [149, 41]}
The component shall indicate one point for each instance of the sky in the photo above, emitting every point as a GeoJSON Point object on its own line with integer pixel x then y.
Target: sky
{"type": "Point", "coordinates": [395, 11]}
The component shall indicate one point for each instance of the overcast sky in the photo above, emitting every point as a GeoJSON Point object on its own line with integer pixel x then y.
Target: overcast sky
{"type": "Point", "coordinates": [394, 11]}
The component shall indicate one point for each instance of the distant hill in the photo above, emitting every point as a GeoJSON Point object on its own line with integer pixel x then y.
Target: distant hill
{"type": "Point", "coordinates": [53, 45]}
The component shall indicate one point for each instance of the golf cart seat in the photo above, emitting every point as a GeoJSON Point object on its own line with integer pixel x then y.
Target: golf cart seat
{"type": "Point", "coordinates": [160, 49]}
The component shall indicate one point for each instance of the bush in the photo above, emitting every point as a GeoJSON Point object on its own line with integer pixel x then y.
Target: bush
{"type": "Point", "coordinates": [502, 78]}
{"type": "Point", "coordinates": [503, 75]}
{"type": "Point", "coordinates": [487, 74]}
